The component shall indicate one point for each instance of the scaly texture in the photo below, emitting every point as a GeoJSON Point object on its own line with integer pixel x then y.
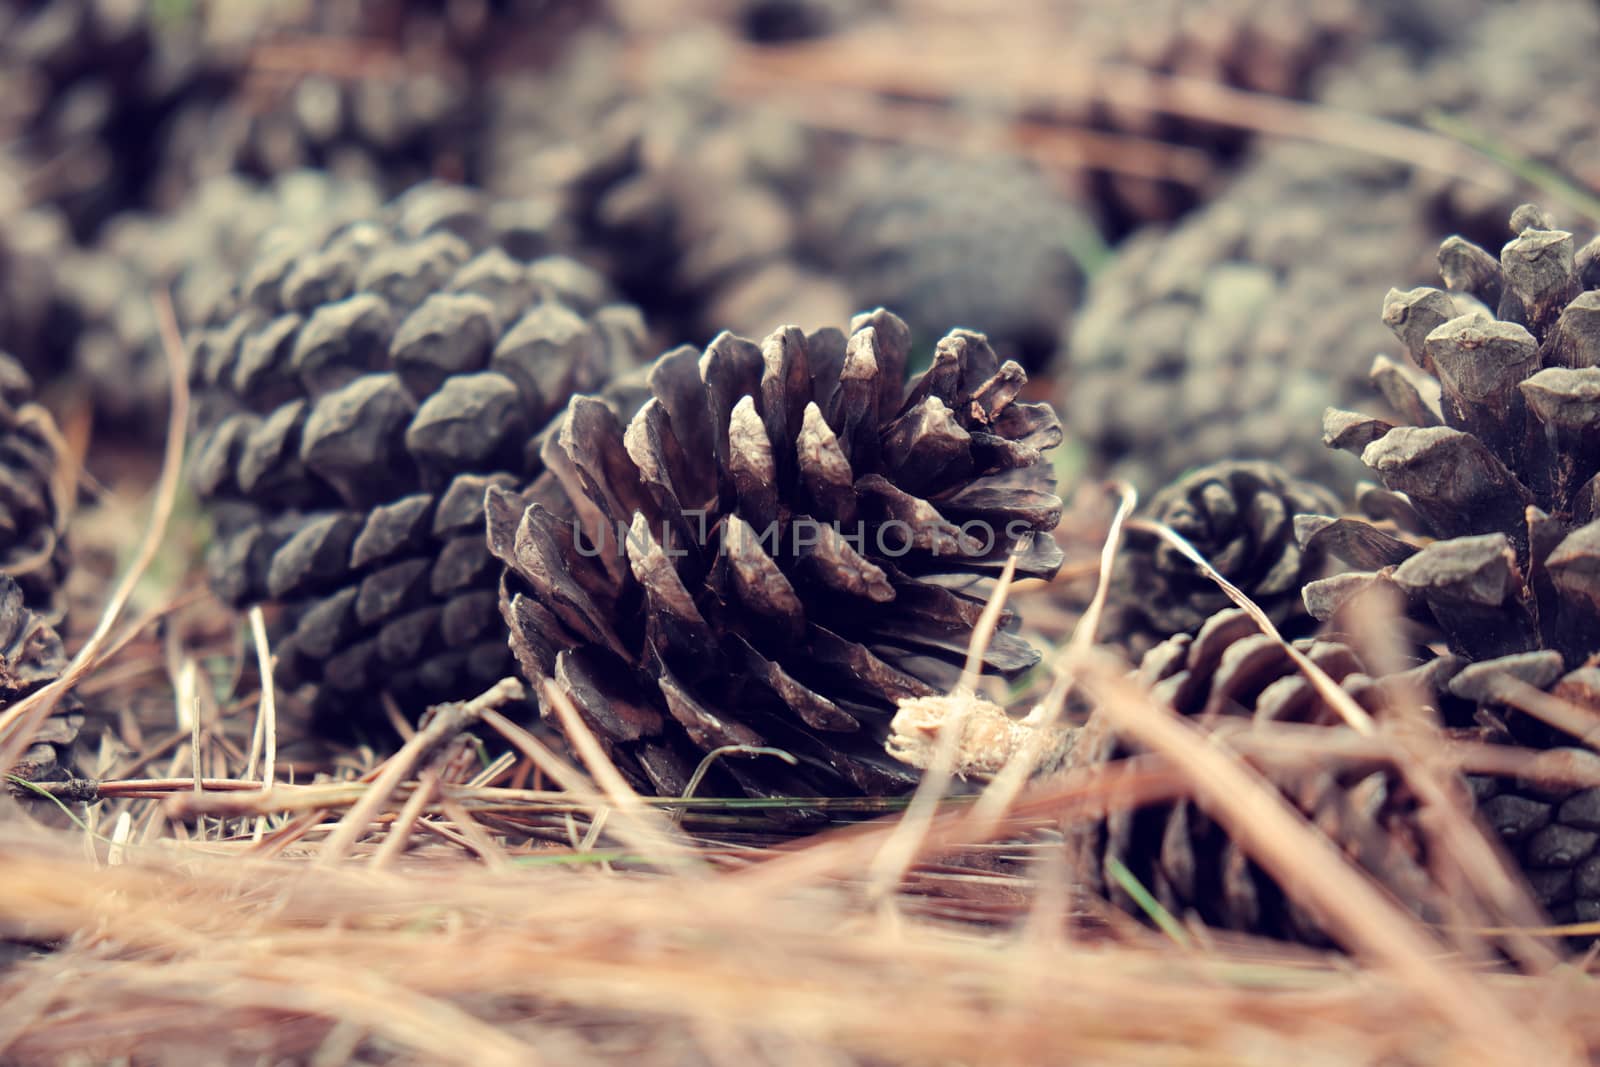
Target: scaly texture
{"type": "Point", "coordinates": [783, 542]}
{"type": "Point", "coordinates": [1240, 515]}
{"type": "Point", "coordinates": [358, 394]}
{"type": "Point", "coordinates": [1490, 527]}
{"type": "Point", "coordinates": [1225, 337]}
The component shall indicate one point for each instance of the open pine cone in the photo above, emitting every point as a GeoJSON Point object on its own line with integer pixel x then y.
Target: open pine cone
{"type": "Point", "coordinates": [1492, 530]}
{"type": "Point", "coordinates": [358, 394]}
{"type": "Point", "coordinates": [783, 542]}
{"type": "Point", "coordinates": [1240, 515]}
{"type": "Point", "coordinates": [1188, 862]}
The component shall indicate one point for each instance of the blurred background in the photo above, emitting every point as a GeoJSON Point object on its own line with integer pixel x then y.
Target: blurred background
{"type": "Point", "coordinates": [1178, 214]}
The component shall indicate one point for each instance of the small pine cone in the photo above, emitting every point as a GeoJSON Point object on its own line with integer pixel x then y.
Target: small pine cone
{"type": "Point", "coordinates": [1226, 336]}
{"type": "Point", "coordinates": [31, 657]}
{"type": "Point", "coordinates": [194, 253]}
{"type": "Point", "coordinates": [366, 387]}
{"type": "Point", "coordinates": [33, 513]}
{"type": "Point", "coordinates": [1490, 528]}
{"type": "Point", "coordinates": [783, 542]}
{"type": "Point", "coordinates": [1240, 516]}
{"type": "Point", "coordinates": [985, 242]}
{"type": "Point", "coordinates": [1184, 859]}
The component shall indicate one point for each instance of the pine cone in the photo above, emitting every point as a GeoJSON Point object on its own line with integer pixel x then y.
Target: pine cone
{"type": "Point", "coordinates": [692, 206]}
{"type": "Point", "coordinates": [31, 657]}
{"type": "Point", "coordinates": [1187, 862]}
{"type": "Point", "coordinates": [366, 387]}
{"type": "Point", "coordinates": [33, 515]}
{"type": "Point", "coordinates": [782, 543]}
{"type": "Point", "coordinates": [1241, 517]}
{"type": "Point", "coordinates": [1224, 337]}
{"type": "Point", "coordinates": [985, 242]}
{"type": "Point", "coordinates": [83, 85]}
{"type": "Point", "coordinates": [1492, 530]}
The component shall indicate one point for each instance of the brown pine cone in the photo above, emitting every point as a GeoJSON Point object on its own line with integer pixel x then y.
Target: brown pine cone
{"type": "Point", "coordinates": [783, 542]}
{"type": "Point", "coordinates": [358, 394]}
{"type": "Point", "coordinates": [1491, 528]}
{"type": "Point", "coordinates": [1240, 515]}
{"type": "Point", "coordinates": [1187, 862]}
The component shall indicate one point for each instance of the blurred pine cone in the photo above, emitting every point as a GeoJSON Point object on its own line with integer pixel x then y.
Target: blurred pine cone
{"type": "Point", "coordinates": [34, 503]}
{"type": "Point", "coordinates": [1240, 515]}
{"type": "Point", "coordinates": [691, 205]}
{"type": "Point", "coordinates": [31, 657]}
{"type": "Point", "coordinates": [83, 85]}
{"type": "Point", "coordinates": [1491, 536]}
{"type": "Point", "coordinates": [195, 253]}
{"type": "Point", "coordinates": [1226, 336]}
{"type": "Point", "coordinates": [1184, 859]}
{"type": "Point", "coordinates": [359, 394]}
{"type": "Point", "coordinates": [985, 242]}
{"type": "Point", "coordinates": [785, 540]}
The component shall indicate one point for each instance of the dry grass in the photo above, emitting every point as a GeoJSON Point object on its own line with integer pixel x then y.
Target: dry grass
{"type": "Point", "coordinates": [427, 908]}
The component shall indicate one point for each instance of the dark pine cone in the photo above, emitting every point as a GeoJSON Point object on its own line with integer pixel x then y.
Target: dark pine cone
{"type": "Point", "coordinates": [1187, 862]}
{"type": "Point", "coordinates": [1240, 516]}
{"type": "Point", "coordinates": [739, 606]}
{"type": "Point", "coordinates": [33, 515]}
{"type": "Point", "coordinates": [369, 385]}
{"type": "Point", "coordinates": [1492, 530]}
{"type": "Point", "coordinates": [984, 242]}
{"type": "Point", "coordinates": [31, 657]}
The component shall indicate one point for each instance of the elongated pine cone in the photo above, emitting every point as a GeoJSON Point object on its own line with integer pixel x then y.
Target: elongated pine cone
{"type": "Point", "coordinates": [1240, 515]}
{"type": "Point", "coordinates": [31, 657]}
{"type": "Point", "coordinates": [1490, 534]}
{"type": "Point", "coordinates": [368, 385]}
{"type": "Point", "coordinates": [783, 542]}
{"type": "Point", "coordinates": [1186, 860]}
{"type": "Point", "coordinates": [33, 513]}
